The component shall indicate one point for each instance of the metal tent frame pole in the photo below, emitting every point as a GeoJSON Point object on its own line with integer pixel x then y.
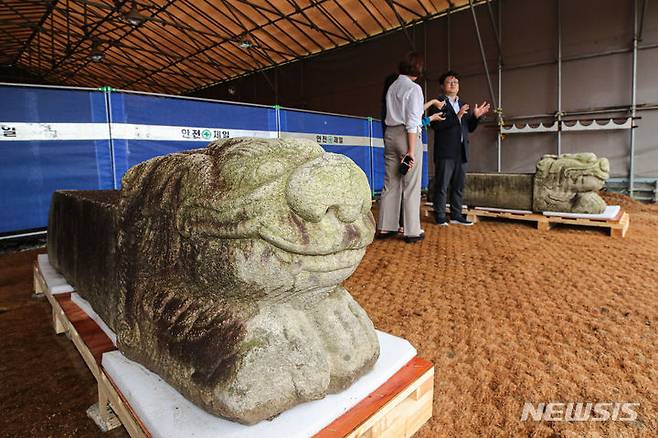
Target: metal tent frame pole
{"type": "Point", "coordinates": [499, 140]}
{"type": "Point", "coordinates": [449, 43]}
{"type": "Point", "coordinates": [495, 101]}
{"type": "Point", "coordinates": [631, 166]}
{"type": "Point", "coordinates": [559, 79]}
{"type": "Point", "coordinates": [484, 58]}
{"type": "Point", "coordinates": [425, 95]}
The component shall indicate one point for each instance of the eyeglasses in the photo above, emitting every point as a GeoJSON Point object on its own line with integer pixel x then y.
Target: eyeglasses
{"type": "Point", "coordinates": [452, 82]}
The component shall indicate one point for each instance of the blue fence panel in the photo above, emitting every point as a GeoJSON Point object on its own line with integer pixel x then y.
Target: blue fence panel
{"type": "Point", "coordinates": [425, 181]}
{"type": "Point", "coordinates": [145, 126]}
{"type": "Point", "coordinates": [378, 166]}
{"type": "Point", "coordinates": [345, 135]}
{"type": "Point", "coordinates": [378, 158]}
{"type": "Point", "coordinates": [50, 139]}
{"type": "Point", "coordinates": [55, 139]}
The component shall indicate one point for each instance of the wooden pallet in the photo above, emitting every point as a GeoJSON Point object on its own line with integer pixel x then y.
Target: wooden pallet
{"type": "Point", "coordinates": [88, 338]}
{"type": "Point", "coordinates": [617, 226]}
{"type": "Point", "coordinates": [427, 209]}
{"type": "Point", "coordinates": [398, 408]}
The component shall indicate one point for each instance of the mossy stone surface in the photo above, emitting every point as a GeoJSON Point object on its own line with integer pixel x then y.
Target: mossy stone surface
{"type": "Point", "coordinates": [229, 261]}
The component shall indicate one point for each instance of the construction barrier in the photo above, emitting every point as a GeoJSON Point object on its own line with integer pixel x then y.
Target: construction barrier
{"type": "Point", "coordinates": [54, 138]}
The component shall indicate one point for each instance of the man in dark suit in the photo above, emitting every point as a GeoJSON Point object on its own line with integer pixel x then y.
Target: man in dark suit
{"type": "Point", "coordinates": [451, 148]}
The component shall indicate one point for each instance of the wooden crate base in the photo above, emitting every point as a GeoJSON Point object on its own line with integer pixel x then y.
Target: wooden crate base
{"type": "Point", "coordinates": [617, 226]}
{"type": "Point", "coordinates": [398, 408]}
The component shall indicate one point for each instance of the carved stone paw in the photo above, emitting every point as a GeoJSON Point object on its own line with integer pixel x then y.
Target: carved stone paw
{"type": "Point", "coordinates": [293, 354]}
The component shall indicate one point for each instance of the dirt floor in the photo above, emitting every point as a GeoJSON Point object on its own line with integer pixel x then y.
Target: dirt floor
{"type": "Point", "coordinates": [45, 386]}
{"type": "Point", "coordinates": [507, 315]}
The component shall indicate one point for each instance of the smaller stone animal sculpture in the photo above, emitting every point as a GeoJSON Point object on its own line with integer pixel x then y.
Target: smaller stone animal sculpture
{"type": "Point", "coordinates": [567, 183]}
{"type": "Point", "coordinates": [224, 276]}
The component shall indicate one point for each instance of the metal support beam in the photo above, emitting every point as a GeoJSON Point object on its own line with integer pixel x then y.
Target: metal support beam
{"type": "Point", "coordinates": [631, 170]}
{"type": "Point", "coordinates": [495, 28]}
{"type": "Point", "coordinates": [565, 59]}
{"type": "Point", "coordinates": [559, 79]}
{"type": "Point", "coordinates": [375, 7]}
{"type": "Point", "coordinates": [232, 39]}
{"type": "Point", "coordinates": [644, 14]}
{"type": "Point", "coordinates": [312, 24]}
{"type": "Point", "coordinates": [484, 58]}
{"type": "Point", "coordinates": [35, 32]}
{"type": "Point", "coordinates": [402, 24]}
{"type": "Point", "coordinates": [379, 23]}
{"type": "Point", "coordinates": [131, 30]}
{"type": "Point", "coordinates": [425, 91]}
{"type": "Point", "coordinates": [10, 37]}
{"type": "Point", "coordinates": [40, 73]}
{"type": "Point", "coordinates": [117, 7]}
{"type": "Point", "coordinates": [449, 41]}
{"type": "Point", "coordinates": [499, 118]}
{"type": "Point", "coordinates": [354, 21]}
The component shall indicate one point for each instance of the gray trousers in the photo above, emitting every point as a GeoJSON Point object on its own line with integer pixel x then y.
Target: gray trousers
{"type": "Point", "coordinates": [397, 188]}
{"type": "Point", "coordinates": [449, 173]}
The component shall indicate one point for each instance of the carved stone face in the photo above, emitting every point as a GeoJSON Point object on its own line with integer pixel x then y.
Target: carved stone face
{"type": "Point", "coordinates": [570, 182]}
{"type": "Point", "coordinates": [575, 172]}
{"type": "Point", "coordinates": [285, 216]}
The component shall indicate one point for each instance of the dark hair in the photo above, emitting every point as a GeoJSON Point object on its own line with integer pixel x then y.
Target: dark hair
{"type": "Point", "coordinates": [412, 64]}
{"type": "Point", "coordinates": [446, 75]}
{"type": "Point", "coordinates": [387, 84]}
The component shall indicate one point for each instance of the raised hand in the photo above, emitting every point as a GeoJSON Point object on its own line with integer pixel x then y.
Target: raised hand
{"type": "Point", "coordinates": [463, 110]}
{"type": "Point", "coordinates": [439, 103]}
{"type": "Point", "coordinates": [481, 109]}
{"type": "Point", "coordinates": [437, 117]}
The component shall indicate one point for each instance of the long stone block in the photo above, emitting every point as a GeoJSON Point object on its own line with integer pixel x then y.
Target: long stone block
{"type": "Point", "coordinates": [499, 190]}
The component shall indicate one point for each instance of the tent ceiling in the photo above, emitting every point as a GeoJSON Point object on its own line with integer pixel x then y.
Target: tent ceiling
{"type": "Point", "coordinates": [176, 46]}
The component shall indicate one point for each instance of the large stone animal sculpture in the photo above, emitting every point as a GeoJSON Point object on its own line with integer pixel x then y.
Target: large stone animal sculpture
{"type": "Point", "coordinates": [220, 269]}
{"type": "Point", "coordinates": [563, 183]}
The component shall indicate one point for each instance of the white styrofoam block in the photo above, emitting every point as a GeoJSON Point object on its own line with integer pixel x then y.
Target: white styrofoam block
{"type": "Point", "coordinates": [504, 210]}
{"type": "Point", "coordinates": [611, 211]}
{"type": "Point", "coordinates": [166, 413]}
{"type": "Point", "coordinates": [86, 307]}
{"type": "Point", "coordinates": [55, 282]}
{"type": "Point", "coordinates": [447, 205]}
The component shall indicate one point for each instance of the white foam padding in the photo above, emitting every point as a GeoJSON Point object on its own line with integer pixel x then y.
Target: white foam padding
{"type": "Point", "coordinates": [503, 210]}
{"type": "Point", "coordinates": [611, 212]}
{"type": "Point", "coordinates": [447, 205]}
{"type": "Point", "coordinates": [166, 413]}
{"type": "Point", "coordinates": [86, 307]}
{"type": "Point", "coordinates": [55, 282]}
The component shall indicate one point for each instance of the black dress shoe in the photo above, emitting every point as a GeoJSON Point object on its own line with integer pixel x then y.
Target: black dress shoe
{"type": "Point", "coordinates": [385, 235]}
{"type": "Point", "coordinates": [414, 239]}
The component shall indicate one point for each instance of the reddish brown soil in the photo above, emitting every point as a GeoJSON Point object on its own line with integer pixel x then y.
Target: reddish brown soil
{"type": "Point", "coordinates": [45, 386]}
{"type": "Point", "coordinates": [507, 315]}
{"type": "Point", "coordinates": [510, 315]}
